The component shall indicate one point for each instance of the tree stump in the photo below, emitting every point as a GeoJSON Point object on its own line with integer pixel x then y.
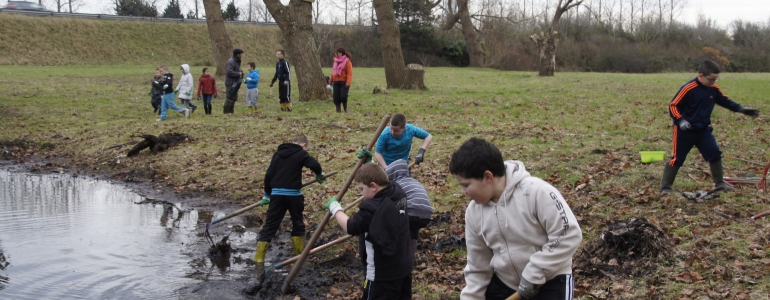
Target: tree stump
{"type": "Point", "coordinates": [414, 78]}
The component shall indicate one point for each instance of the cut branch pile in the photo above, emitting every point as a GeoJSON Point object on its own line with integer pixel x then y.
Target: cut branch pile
{"type": "Point", "coordinates": [625, 247]}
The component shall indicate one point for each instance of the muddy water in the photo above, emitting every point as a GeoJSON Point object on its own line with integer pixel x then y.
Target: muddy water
{"type": "Point", "coordinates": [69, 237]}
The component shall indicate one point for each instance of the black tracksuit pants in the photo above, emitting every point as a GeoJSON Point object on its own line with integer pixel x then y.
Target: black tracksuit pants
{"type": "Point", "coordinates": [560, 287]}
{"type": "Point", "coordinates": [284, 91]}
{"type": "Point", "coordinates": [277, 210]}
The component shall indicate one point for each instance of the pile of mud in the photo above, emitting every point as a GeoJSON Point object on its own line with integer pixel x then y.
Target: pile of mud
{"type": "Point", "coordinates": [629, 247]}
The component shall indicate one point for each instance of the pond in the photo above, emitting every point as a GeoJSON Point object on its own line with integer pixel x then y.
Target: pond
{"type": "Point", "coordinates": [63, 236]}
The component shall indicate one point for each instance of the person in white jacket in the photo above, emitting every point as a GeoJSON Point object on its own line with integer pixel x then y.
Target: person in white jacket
{"type": "Point", "coordinates": [185, 88]}
{"type": "Point", "coordinates": [519, 230]}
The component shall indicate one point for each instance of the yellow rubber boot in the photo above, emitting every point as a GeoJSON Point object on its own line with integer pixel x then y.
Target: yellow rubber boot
{"type": "Point", "coordinates": [288, 106]}
{"type": "Point", "coordinates": [251, 110]}
{"type": "Point", "coordinates": [299, 244]}
{"type": "Point", "coordinates": [283, 106]}
{"type": "Point", "coordinates": [259, 258]}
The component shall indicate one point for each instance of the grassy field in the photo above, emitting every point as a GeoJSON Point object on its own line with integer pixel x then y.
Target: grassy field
{"type": "Point", "coordinates": [46, 41]}
{"type": "Point", "coordinates": [580, 131]}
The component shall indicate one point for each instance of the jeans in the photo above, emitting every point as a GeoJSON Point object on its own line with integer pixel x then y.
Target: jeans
{"type": "Point", "coordinates": [168, 102]}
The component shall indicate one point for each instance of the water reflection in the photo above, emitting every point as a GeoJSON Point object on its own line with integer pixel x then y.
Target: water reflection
{"type": "Point", "coordinates": [83, 238]}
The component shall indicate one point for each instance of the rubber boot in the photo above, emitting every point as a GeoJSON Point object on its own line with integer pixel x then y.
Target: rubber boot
{"type": "Point", "coordinates": [669, 174]}
{"type": "Point", "coordinates": [283, 106]}
{"type": "Point", "coordinates": [251, 110]}
{"type": "Point", "coordinates": [718, 176]}
{"type": "Point", "coordinates": [299, 244]}
{"type": "Point", "coordinates": [259, 257]}
{"type": "Point", "coordinates": [288, 106]}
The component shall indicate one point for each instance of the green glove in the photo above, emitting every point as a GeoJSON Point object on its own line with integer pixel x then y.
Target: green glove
{"type": "Point", "coordinates": [333, 205]}
{"type": "Point", "coordinates": [176, 91]}
{"type": "Point", "coordinates": [366, 154]}
{"type": "Point", "coordinates": [149, 93]}
{"type": "Point", "coordinates": [320, 178]}
{"type": "Point", "coordinates": [265, 201]}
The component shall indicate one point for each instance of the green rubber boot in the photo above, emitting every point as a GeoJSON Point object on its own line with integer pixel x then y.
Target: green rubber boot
{"type": "Point", "coordinates": [299, 244]}
{"type": "Point", "coordinates": [718, 176]}
{"type": "Point", "coordinates": [259, 258]}
{"type": "Point", "coordinates": [669, 174]}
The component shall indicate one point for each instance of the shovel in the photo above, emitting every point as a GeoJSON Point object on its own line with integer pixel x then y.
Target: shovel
{"type": "Point", "coordinates": [243, 210]}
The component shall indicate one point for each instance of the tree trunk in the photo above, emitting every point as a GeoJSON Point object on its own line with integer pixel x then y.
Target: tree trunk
{"type": "Point", "coordinates": [390, 39]}
{"type": "Point", "coordinates": [475, 52]}
{"type": "Point", "coordinates": [548, 41]}
{"type": "Point", "coordinates": [415, 78]}
{"type": "Point", "coordinates": [220, 41]}
{"type": "Point", "coordinates": [296, 23]}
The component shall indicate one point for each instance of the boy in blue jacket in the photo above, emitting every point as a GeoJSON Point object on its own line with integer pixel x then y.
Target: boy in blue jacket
{"type": "Point", "coordinates": [691, 112]}
{"type": "Point", "coordinates": [252, 92]}
{"type": "Point", "coordinates": [395, 142]}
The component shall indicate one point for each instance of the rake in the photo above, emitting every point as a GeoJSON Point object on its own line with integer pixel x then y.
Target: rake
{"type": "Point", "coordinates": [242, 210]}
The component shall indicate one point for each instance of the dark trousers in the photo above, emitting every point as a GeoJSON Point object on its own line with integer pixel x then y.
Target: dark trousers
{"type": "Point", "coordinates": [232, 96]}
{"type": "Point", "coordinates": [340, 95]}
{"type": "Point", "coordinates": [415, 224]}
{"type": "Point", "coordinates": [207, 103]}
{"type": "Point", "coordinates": [284, 91]}
{"type": "Point", "coordinates": [275, 212]}
{"type": "Point", "coordinates": [703, 139]}
{"type": "Point", "coordinates": [388, 290]}
{"type": "Point", "coordinates": [560, 287]}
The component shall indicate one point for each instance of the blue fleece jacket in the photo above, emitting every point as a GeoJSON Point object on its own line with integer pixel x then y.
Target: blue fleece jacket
{"type": "Point", "coordinates": [254, 76]}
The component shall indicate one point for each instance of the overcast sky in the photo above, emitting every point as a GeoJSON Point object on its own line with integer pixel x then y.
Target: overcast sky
{"type": "Point", "coordinates": [723, 11]}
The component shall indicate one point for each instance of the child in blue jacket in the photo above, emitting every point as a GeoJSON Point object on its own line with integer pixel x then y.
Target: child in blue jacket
{"type": "Point", "coordinates": [252, 80]}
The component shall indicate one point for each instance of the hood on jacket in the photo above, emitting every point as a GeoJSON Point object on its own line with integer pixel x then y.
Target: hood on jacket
{"type": "Point", "coordinates": [288, 149]}
{"type": "Point", "coordinates": [186, 69]}
{"type": "Point", "coordinates": [397, 170]}
{"type": "Point", "coordinates": [514, 173]}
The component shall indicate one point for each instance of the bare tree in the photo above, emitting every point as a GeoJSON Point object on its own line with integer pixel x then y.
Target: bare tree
{"type": "Point", "coordinates": [547, 41]}
{"type": "Point", "coordinates": [390, 39]}
{"type": "Point", "coordinates": [296, 23]}
{"type": "Point", "coordinates": [261, 13]}
{"type": "Point", "coordinates": [475, 52]}
{"type": "Point", "coordinates": [220, 40]}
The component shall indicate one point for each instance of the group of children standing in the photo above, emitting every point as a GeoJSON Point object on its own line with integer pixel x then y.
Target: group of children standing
{"type": "Point", "coordinates": [207, 88]}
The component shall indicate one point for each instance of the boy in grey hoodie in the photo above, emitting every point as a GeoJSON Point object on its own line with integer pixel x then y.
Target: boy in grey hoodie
{"type": "Point", "coordinates": [519, 230]}
{"type": "Point", "coordinates": [185, 88]}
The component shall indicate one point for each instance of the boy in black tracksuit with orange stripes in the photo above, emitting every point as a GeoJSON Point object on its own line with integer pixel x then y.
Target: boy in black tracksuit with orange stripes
{"type": "Point", "coordinates": [691, 112]}
{"type": "Point", "coordinates": [282, 74]}
{"type": "Point", "coordinates": [283, 181]}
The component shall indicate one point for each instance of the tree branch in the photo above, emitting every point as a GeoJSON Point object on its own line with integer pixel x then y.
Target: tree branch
{"type": "Point", "coordinates": [450, 22]}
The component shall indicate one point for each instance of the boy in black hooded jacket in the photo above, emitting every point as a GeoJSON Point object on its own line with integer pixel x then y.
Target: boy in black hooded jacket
{"type": "Point", "coordinates": [382, 225]}
{"type": "Point", "coordinates": [283, 181]}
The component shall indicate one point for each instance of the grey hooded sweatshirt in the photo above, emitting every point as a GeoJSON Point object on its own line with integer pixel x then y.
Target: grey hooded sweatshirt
{"type": "Point", "coordinates": [528, 232]}
{"type": "Point", "coordinates": [418, 201]}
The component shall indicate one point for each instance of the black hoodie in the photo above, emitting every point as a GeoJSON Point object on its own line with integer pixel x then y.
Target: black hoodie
{"type": "Point", "coordinates": [285, 169]}
{"type": "Point", "coordinates": [382, 224]}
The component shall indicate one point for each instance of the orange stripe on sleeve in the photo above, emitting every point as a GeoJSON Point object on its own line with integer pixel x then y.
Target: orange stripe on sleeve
{"type": "Point", "coordinates": [720, 91]}
{"type": "Point", "coordinates": [679, 97]}
{"type": "Point", "coordinates": [673, 160]}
